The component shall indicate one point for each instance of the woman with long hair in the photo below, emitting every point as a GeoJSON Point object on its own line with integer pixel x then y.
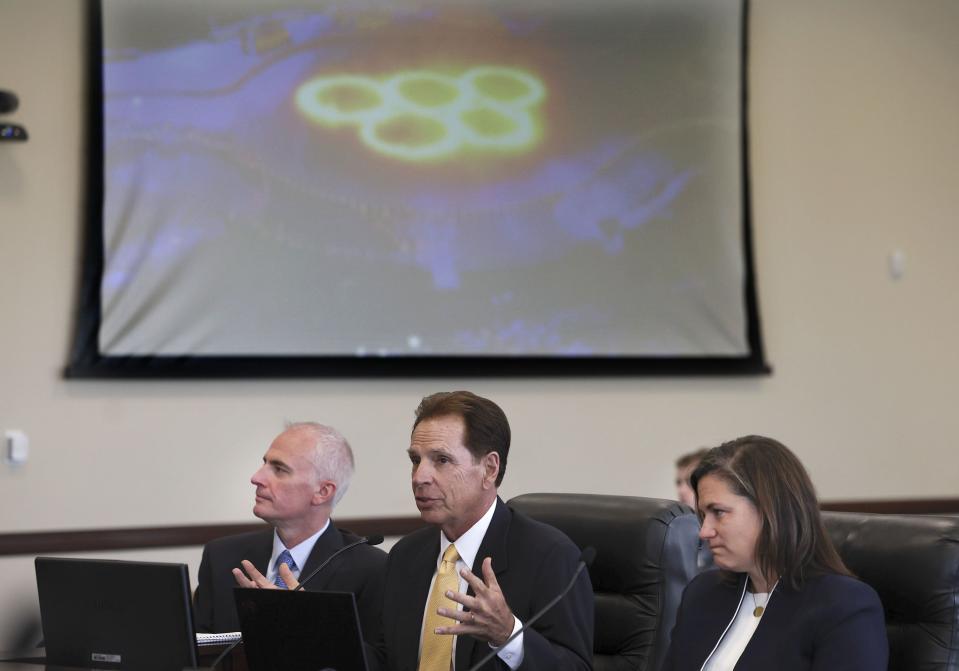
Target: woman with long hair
{"type": "Point", "coordinates": [782, 598]}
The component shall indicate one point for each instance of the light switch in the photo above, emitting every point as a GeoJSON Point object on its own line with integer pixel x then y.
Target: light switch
{"type": "Point", "coordinates": [16, 447]}
{"type": "Point", "coordinates": [897, 264]}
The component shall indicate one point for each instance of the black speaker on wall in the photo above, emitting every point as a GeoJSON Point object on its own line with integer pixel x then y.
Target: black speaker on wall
{"type": "Point", "coordinates": [10, 132]}
{"type": "Point", "coordinates": [8, 102]}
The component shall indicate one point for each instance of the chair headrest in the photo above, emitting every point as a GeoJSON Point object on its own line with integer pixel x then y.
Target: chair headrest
{"type": "Point", "coordinates": [912, 561]}
{"type": "Point", "coordinates": [628, 532]}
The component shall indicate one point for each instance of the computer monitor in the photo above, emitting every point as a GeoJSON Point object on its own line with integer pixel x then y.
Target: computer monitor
{"type": "Point", "coordinates": [112, 614]}
{"type": "Point", "coordinates": [300, 631]}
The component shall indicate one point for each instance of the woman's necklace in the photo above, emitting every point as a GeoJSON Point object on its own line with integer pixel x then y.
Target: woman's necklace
{"type": "Point", "coordinates": [760, 608]}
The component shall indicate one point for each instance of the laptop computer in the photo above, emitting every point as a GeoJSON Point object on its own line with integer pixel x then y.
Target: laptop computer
{"type": "Point", "coordinates": [112, 614]}
{"type": "Point", "coordinates": [300, 631]}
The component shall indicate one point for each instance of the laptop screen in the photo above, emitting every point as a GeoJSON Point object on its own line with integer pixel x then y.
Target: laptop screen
{"type": "Point", "coordinates": [113, 614]}
{"type": "Point", "coordinates": [300, 631]}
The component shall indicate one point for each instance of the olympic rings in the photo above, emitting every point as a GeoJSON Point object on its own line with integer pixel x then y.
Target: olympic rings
{"type": "Point", "coordinates": [310, 98]}
{"type": "Point", "coordinates": [419, 115]}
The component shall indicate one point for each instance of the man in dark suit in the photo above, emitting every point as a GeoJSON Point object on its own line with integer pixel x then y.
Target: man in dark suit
{"type": "Point", "coordinates": [305, 473]}
{"type": "Point", "coordinates": [462, 586]}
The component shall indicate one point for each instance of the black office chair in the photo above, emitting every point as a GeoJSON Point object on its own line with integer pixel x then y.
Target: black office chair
{"type": "Point", "coordinates": [645, 555]}
{"type": "Point", "coordinates": [912, 561]}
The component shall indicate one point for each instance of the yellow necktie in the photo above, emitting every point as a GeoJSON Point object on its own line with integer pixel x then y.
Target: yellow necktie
{"type": "Point", "coordinates": [437, 653]}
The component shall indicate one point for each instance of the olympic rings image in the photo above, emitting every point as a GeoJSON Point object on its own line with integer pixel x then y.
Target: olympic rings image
{"type": "Point", "coordinates": [420, 115]}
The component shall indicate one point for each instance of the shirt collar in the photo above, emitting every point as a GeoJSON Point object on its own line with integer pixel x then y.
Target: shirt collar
{"type": "Point", "coordinates": [300, 553]}
{"type": "Point", "coordinates": [468, 545]}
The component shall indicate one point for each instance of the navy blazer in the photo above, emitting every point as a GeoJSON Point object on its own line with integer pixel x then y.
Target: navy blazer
{"type": "Point", "coordinates": [360, 570]}
{"type": "Point", "coordinates": [834, 623]}
{"type": "Point", "coordinates": [532, 561]}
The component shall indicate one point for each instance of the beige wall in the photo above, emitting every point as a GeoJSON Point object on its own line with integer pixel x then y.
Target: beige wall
{"type": "Point", "coordinates": [855, 153]}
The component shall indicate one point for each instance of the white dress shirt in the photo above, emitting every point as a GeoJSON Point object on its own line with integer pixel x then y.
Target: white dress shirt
{"type": "Point", "coordinates": [467, 546]}
{"type": "Point", "coordinates": [737, 636]}
{"type": "Point", "coordinates": [300, 553]}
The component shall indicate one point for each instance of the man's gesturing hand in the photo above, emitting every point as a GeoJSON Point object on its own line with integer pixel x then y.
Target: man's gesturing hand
{"type": "Point", "coordinates": [250, 577]}
{"type": "Point", "coordinates": [488, 617]}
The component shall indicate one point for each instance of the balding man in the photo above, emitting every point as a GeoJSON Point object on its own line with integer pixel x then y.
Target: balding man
{"type": "Point", "coordinates": [305, 473]}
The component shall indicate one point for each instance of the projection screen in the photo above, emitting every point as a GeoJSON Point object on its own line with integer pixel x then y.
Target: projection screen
{"type": "Point", "coordinates": [309, 188]}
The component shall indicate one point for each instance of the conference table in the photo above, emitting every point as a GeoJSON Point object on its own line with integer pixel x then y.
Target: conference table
{"type": "Point", "coordinates": [33, 666]}
{"type": "Point", "coordinates": [40, 664]}
{"type": "Point", "coordinates": [33, 660]}
{"type": "Point", "coordinates": [36, 665]}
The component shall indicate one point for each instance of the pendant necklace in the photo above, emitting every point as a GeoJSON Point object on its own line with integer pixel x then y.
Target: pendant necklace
{"type": "Point", "coordinates": [760, 608]}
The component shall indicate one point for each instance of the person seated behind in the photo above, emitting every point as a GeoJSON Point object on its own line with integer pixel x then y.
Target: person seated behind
{"type": "Point", "coordinates": [777, 567]}
{"type": "Point", "coordinates": [685, 466]}
{"type": "Point", "coordinates": [305, 473]}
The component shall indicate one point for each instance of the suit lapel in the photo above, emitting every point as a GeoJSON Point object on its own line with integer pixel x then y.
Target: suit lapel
{"type": "Point", "coordinates": [493, 546]}
{"type": "Point", "coordinates": [329, 542]}
{"type": "Point", "coordinates": [260, 551]}
{"type": "Point", "coordinates": [494, 542]}
{"type": "Point", "coordinates": [779, 612]}
{"type": "Point", "coordinates": [416, 592]}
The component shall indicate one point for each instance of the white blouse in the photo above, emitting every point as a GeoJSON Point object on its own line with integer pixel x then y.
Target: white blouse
{"type": "Point", "coordinates": [737, 635]}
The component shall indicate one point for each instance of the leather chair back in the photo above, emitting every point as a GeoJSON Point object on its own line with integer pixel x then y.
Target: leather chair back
{"type": "Point", "coordinates": [912, 561]}
{"type": "Point", "coordinates": [646, 553]}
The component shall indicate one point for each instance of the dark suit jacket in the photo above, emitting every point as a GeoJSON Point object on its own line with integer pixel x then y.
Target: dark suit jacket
{"type": "Point", "coordinates": [834, 623]}
{"type": "Point", "coordinates": [360, 570]}
{"type": "Point", "coordinates": [533, 562]}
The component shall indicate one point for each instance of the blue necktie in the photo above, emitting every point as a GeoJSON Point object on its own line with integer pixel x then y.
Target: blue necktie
{"type": "Point", "coordinates": [284, 558]}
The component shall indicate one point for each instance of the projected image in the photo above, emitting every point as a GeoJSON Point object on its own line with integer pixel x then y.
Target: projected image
{"type": "Point", "coordinates": [394, 179]}
{"type": "Point", "coordinates": [423, 115]}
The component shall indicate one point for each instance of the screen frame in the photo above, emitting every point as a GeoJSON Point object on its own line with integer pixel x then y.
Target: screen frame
{"type": "Point", "coordinates": [87, 362]}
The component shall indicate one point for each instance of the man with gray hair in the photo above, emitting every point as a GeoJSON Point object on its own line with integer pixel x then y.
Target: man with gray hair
{"type": "Point", "coordinates": [305, 473]}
